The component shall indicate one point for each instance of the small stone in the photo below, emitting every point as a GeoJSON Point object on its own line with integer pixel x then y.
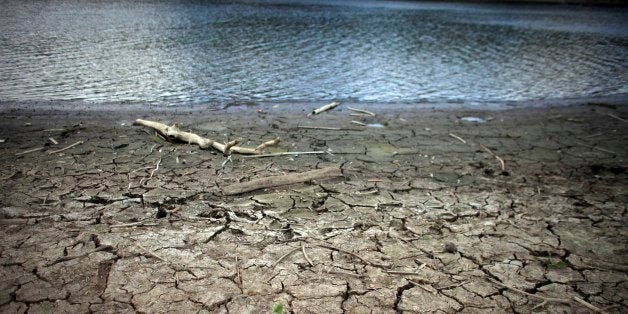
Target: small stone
{"type": "Point", "coordinates": [450, 247]}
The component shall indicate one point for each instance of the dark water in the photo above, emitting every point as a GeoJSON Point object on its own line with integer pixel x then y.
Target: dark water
{"type": "Point", "coordinates": [181, 52]}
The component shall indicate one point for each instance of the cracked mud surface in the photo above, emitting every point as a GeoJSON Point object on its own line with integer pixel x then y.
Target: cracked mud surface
{"type": "Point", "coordinates": [421, 222]}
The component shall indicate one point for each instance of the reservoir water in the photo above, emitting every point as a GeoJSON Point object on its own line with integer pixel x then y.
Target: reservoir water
{"type": "Point", "coordinates": [197, 52]}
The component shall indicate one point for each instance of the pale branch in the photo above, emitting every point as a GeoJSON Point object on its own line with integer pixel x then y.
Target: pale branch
{"type": "Point", "coordinates": [318, 152]}
{"type": "Point", "coordinates": [65, 148]}
{"type": "Point", "coordinates": [29, 151]}
{"type": "Point", "coordinates": [285, 255]}
{"type": "Point", "coordinates": [325, 108]}
{"type": "Point", "coordinates": [361, 111]}
{"type": "Point", "coordinates": [616, 117]}
{"type": "Point", "coordinates": [263, 146]}
{"type": "Point", "coordinates": [457, 137]}
{"type": "Point", "coordinates": [273, 181]}
{"type": "Point", "coordinates": [307, 258]}
{"type": "Point", "coordinates": [501, 161]}
{"type": "Point", "coordinates": [327, 128]}
{"type": "Point", "coordinates": [546, 300]}
{"type": "Point", "coordinates": [202, 142]}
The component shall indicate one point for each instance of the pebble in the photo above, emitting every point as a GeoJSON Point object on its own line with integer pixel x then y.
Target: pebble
{"type": "Point", "coordinates": [450, 247]}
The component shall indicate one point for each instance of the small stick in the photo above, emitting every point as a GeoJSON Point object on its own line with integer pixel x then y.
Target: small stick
{"type": "Point", "coordinates": [362, 111]}
{"type": "Point", "coordinates": [333, 272]}
{"type": "Point", "coordinates": [71, 257]}
{"type": "Point", "coordinates": [600, 149]}
{"type": "Point", "coordinates": [425, 287]}
{"type": "Point", "coordinates": [156, 168]}
{"type": "Point", "coordinates": [616, 117]}
{"type": "Point", "coordinates": [228, 146]}
{"type": "Point", "coordinates": [274, 181]}
{"type": "Point", "coordinates": [587, 304]}
{"type": "Point", "coordinates": [396, 272]}
{"type": "Point", "coordinates": [457, 137]}
{"type": "Point", "coordinates": [501, 161]}
{"type": "Point", "coordinates": [237, 265]}
{"type": "Point", "coordinates": [65, 148]}
{"type": "Point", "coordinates": [324, 108]}
{"type": "Point", "coordinates": [135, 224]}
{"type": "Point", "coordinates": [326, 128]}
{"type": "Point", "coordinates": [53, 141]}
{"type": "Point", "coordinates": [228, 159]}
{"type": "Point", "coordinates": [285, 255]}
{"type": "Point", "coordinates": [29, 151]}
{"type": "Point", "coordinates": [267, 144]}
{"type": "Point", "coordinates": [305, 255]}
{"type": "Point", "coordinates": [351, 254]}
{"type": "Point", "coordinates": [318, 152]}
{"type": "Point", "coordinates": [9, 176]}
{"type": "Point", "coordinates": [151, 253]}
{"type": "Point", "coordinates": [546, 299]}
{"type": "Point", "coordinates": [358, 123]}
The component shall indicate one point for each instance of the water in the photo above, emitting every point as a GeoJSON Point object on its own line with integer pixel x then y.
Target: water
{"type": "Point", "coordinates": [193, 52]}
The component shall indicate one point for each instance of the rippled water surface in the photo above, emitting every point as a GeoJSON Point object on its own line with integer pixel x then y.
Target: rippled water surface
{"type": "Point", "coordinates": [181, 52]}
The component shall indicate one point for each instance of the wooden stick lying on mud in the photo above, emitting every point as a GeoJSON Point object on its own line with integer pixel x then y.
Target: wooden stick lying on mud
{"type": "Point", "coordinates": [501, 161]}
{"type": "Point", "coordinates": [273, 181]}
{"type": "Point", "coordinates": [457, 137]}
{"type": "Point", "coordinates": [317, 152]}
{"type": "Point", "coordinates": [549, 299]}
{"type": "Point", "coordinates": [202, 142]}
{"type": "Point", "coordinates": [331, 105]}
{"type": "Point", "coordinates": [361, 111]}
{"type": "Point", "coordinates": [65, 148]}
{"type": "Point", "coordinates": [616, 117]}
{"type": "Point", "coordinates": [328, 128]}
{"type": "Point", "coordinates": [29, 151]}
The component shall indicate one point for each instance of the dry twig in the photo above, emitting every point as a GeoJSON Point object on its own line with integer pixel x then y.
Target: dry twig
{"type": "Point", "coordinates": [135, 224]}
{"type": "Point", "coordinates": [324, 108]}
{"type": "Point", "coordinates": [326, 128]}
{"type": "Point", "coordinates": [501, 161]}
{"type": "Point", "coordinates": [204, 143]}
{"type": "Point", "coordinates": [285, 255]}
{"type": "Point", "coordinates": [65, 148]}
{"type": "Point", "coordinates": [29, 151]}
{"type": "Point", "coordinates": [156, 168]}
{"type": "Point", "coordinates": [351, 254]}
{"type": "Point", "coordinates": [546, 300]}
{"type": "Point", "coordinates": [71, 257]}
{"type": "Point", "coordinates": [305, 255]}
{"type": "Point", "coordinates": [238, 276]}
{"type": "Point", "coordinates": [457, 137]}
{"type": "Point", "coordinates": [273, 181]}
{"type": "Point", "coordinates": [318, 152]}
{"type": "Point", "coordinates": [361, 111]}
{"type": "Point", "coordinates": [616, 117]}
{"type": "Point", "coordinates": [267, 144]}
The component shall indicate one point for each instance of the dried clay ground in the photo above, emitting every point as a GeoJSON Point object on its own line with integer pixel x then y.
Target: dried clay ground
{"type": "Point", "coordinates": [423, 219]}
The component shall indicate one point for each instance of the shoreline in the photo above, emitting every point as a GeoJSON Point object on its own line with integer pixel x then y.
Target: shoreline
{"type": "Point", "coordinates": [424, 217]}
{"type": "Point", "coordinates": [301, 106]}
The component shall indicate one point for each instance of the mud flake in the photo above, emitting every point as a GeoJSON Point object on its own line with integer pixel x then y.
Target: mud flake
{"type": "Point", "coordinates": [319, 305]}
{"type": "Point", "coordinates": [509, 275]}
{"type": "Point", "coordinates": [40, 290]}
{"type": "Point", "coordinates": [418, 300]}
{"type": "Point", "coordinates": [222, 290]}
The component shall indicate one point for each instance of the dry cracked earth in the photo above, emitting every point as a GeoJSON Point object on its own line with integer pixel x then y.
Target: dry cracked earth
{"type": "Point", "coordinates": [424, 219]}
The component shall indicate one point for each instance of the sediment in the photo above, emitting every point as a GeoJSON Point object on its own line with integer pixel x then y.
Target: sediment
{"type": "Point", "coordinates": [424, 218]}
